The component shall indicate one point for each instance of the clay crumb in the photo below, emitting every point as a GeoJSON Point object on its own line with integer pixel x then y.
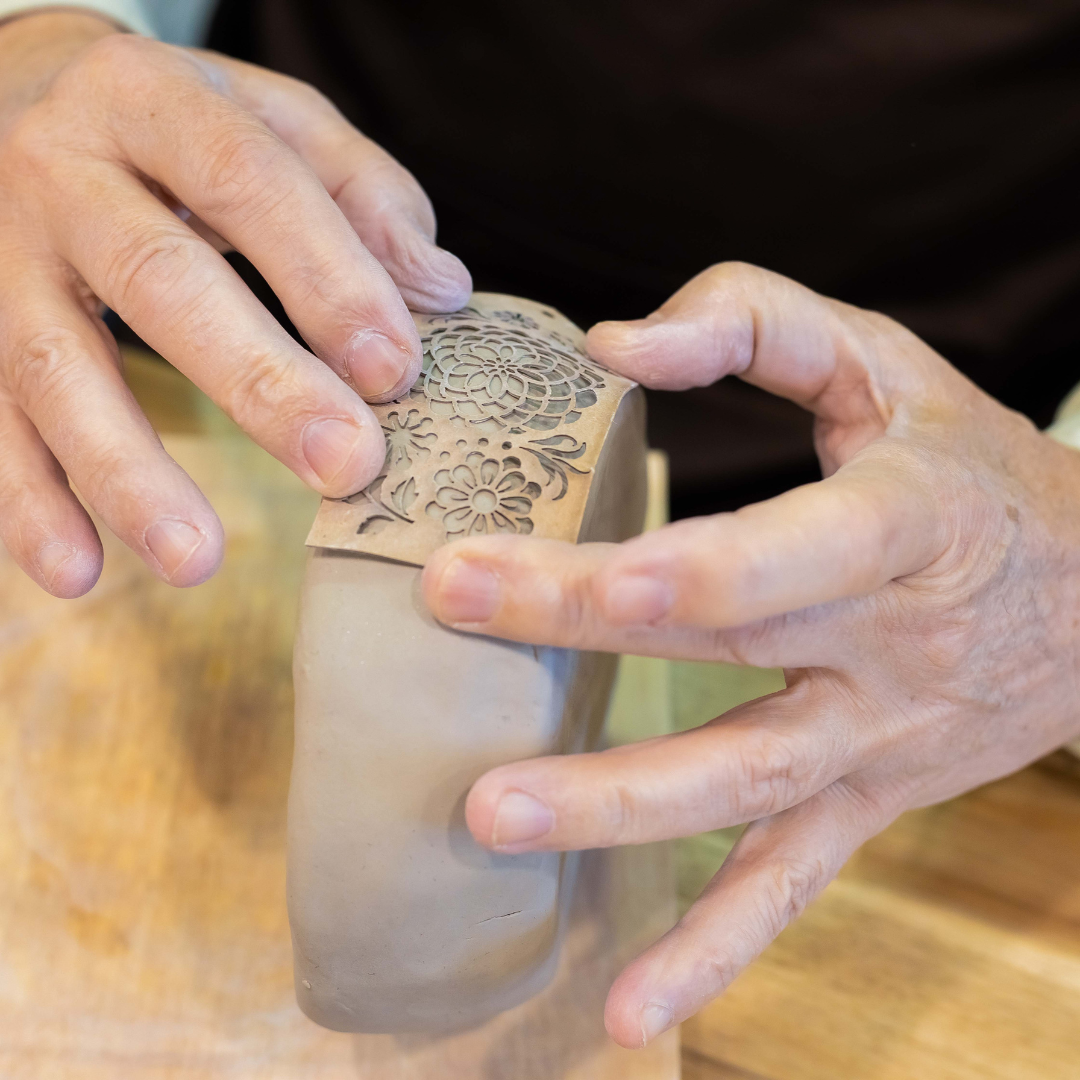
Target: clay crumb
{"type": "Point", "coordinates": [307, 985]}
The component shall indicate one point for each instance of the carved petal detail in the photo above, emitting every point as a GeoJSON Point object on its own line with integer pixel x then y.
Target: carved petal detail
{"type": "Point", "coordinates": [480, 445]}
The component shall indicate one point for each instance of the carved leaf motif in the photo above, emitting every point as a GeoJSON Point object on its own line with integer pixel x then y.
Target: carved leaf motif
{"type": "Point", "coordinates": [554, 472]}
{"type": "Point", "coordinates": [565, 446]}
{"type": "Point", "coordinates": [482, 443]}
{"type": "Point", "coordinates": [374, 524]}
{"type": "Point", "coordinates": [405, 495]}
{"type": "Point", "coordinates": [373, 491]}
{"type": "Point", "coordinates": [555, 458]}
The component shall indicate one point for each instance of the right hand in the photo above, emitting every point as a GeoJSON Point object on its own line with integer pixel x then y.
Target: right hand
{"type": "Point", "coordinates": [124, 163]}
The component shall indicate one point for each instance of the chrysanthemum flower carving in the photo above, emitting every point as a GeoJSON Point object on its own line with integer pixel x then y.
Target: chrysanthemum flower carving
{"type": "Point", "coordinates": [492, 377]}
{"type": "Point", "coordinates": [406, 440]}
{"type": "Point", "coordinates": [501, 433]}
{"type": "Point", "coordinates": [483, 495]}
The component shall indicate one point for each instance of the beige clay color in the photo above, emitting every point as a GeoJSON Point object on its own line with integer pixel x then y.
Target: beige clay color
{"type": "Point", "coordinates": [400, 921]}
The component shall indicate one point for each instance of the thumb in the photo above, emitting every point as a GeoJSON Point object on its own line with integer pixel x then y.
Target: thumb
{"type": "Point", "coordinates": [736, 319]}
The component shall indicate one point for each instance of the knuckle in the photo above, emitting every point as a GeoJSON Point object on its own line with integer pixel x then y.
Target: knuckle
{"type": "Point", "coordinates": [316, 280]}
{"type": "Point", "coordinates": [241, 175]}
{"type": "Point", "coordinates": [720, 970]}
{"type": "Point", "coordinates": [750, 573]}
{"type": "Point", "coordinates": [752, 645]}
{"type": "Point", "coordinates": [148, 264]}
{"type": "Point", "coordinates": [47, 375]}
{"type": "Point", "coordinates": [769, 769]}
{"type": "Point", "coordinates": [263, 385]}
{"type": "Point", "coordinates": [108, 472]}
{"type": "Point", "coordinates": [44, 367]}
{"type": "Point", "coordinates": [30, 144]}
{"type": "Point", "coordinates": [732, 272]}
{"type": "Point", "coordinates": [575, 620]}
{"type": "Point", "coordinates": [116, 54]}
{"type": "Point", "coordinates": [620, 813]}
{"type": "Point", "coordinates": [304, 92]}
{"type": "Point", "coordinates": [874, 805]}
{"type": "Point", "coordinates": [791, 885]}
{"type": "Point", "coordinates": [124, 62]}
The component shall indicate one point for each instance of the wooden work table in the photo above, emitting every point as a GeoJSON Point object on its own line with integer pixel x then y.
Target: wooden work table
{"type": "Point", "coordinates": [949, 948]}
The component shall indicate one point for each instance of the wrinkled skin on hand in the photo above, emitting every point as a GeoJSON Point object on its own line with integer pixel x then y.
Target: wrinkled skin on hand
{"type": "Point", "coordinates": [924, 599]}
{"type": "Point", "coordinates": [126, 167]}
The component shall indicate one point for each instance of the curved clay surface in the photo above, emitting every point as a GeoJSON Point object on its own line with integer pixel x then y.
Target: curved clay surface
{"type": "Point", "coordinates": [401, 922]}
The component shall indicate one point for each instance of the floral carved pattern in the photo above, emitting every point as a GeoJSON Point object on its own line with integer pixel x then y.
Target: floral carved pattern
{"type": "Point", "coordinates": [406, 440]}
{"type": "Point", "coordinates": [517, 318]}
{"type": "Point", "coordinates": [492, 377]}
{"type": "Point", "coordinates": [481, 444]}
{"type": "Point", "coordinates": [484, 376]}
{"type": "Point", "coordinates": [475, 493]}
{"type": "Point", "coordinates": [554, 455]}
{"type": "Point", "coordinates": [483, 495]}
{"type": "Point", "coordinates": [386, 508]}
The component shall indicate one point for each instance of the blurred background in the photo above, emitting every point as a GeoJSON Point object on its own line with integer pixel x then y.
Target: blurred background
{"type": "Point", "coordinates": [918, 158]}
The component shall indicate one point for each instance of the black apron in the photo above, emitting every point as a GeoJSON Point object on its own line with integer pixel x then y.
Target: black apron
{"type": "Point", "coordinates": [918, 158]}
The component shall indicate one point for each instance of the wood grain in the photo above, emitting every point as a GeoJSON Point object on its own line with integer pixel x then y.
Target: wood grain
{"type": "Point", "coordinates": [144, 738]}
{"type": "Point", "coordinates": [949, 949]}
{"type": "Point", "coordinates": [145, 745]}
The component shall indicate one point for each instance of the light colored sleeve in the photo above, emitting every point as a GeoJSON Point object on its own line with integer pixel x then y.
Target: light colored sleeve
{"type": "Point", "coordinates": [1066, 426]}
{"type": "Point", "coordinates": [183, 22]}
{"type": "Point", "coordinates": [1066, 429]}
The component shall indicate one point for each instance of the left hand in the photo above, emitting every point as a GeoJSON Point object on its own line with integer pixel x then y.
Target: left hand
{"type": "Point", "coordinates": [924, 598]}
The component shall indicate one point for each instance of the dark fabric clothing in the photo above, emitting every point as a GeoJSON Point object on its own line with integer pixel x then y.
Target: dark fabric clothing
{"type": "Point", "coordinates": [919, 157]}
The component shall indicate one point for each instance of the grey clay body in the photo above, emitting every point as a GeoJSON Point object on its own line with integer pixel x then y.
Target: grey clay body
{"type": "Point", "coordinates": [401, 922]}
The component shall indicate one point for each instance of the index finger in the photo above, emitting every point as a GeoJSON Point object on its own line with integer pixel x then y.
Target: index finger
{"type": "Point", "coordinates": [873, 521]}
{"type": "Point", "coordinates": [381, 199]}
{"type": "Point", "coordinates": [227, 167]}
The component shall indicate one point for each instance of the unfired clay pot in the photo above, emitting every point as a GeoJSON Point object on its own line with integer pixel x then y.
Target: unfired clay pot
{"type": "Point", "coordinates": [400, 920]}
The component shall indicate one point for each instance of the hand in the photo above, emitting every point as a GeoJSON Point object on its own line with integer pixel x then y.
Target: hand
{"type": "Point", "coordinates": [924, 599]}
{"type": "Point", "coordinates": [123, 164]}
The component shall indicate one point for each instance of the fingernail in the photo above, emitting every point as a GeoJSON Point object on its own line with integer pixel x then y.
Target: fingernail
{"type": "Point", "coordinates": [468, 593]}
{"type": "Point", "coordinates": [633, 598]}
{"type": "Point", "coordinates": [519, 818]}
{"type": "Point", "coordinates": [51, 557]}
{"type": "Point", "coordinates": [329, 446]}
{"type": "Point", "coordinates": [374, 363]}
{"type": "Point", "coordinates": [655, 1020]}
{"type": "Point", "coordinates": [172, 543]}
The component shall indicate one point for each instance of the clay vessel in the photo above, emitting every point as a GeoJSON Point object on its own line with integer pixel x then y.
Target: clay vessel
{"type": "Point", "coordinates": [400, 921]}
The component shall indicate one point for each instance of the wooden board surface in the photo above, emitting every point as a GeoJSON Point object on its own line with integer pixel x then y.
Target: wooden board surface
{"type": "Point", "coordinates": [949, 949]}
{"type": "Point", "coordinates": [141, 822]}
{"type": "Point", "coordinates": [145, 743]}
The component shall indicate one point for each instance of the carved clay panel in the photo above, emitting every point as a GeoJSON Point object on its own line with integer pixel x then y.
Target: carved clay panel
{"type": "Point", "coordinates": [500, 434]}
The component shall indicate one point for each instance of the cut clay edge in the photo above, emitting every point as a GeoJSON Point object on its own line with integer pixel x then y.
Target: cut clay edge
{"type": "Point", "coordinates": [320, 536]}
